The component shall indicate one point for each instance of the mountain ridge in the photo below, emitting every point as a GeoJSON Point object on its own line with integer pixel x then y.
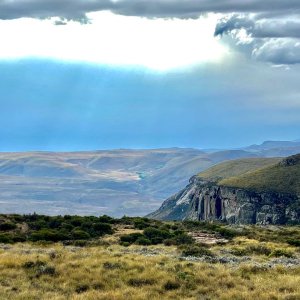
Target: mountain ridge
{"type": "Point", "coordinates": [262, 197]}
{"type": "Point", "coordinates": [115, 182]}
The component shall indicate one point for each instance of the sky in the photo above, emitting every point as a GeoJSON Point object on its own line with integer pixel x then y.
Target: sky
{"type": "Point", "coordinates": [104, 74]}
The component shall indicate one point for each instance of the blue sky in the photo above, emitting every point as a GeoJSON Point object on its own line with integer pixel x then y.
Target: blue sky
{"type": "Point", "coordinates": [97, 90]}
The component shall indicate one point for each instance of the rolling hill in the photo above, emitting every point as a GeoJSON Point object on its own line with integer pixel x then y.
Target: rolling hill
{"type": "Point", "coordinates": [114, 182]}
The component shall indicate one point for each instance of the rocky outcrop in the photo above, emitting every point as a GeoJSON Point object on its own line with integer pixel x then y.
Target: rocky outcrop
{"type": "Point", "coordinates": [208, 201]}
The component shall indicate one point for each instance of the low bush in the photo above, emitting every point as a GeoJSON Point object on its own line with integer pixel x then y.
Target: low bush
{"type": "Point", "coordinates": [81, 288]}
{"type": "Point", "coordinates": [102, 228]}
{"type": "Point", "coordinates": [131, 238]}
{"type": "Point", "coordinates": [48, 235]}
{"type": "Point", "coordinates": [294, 242]}
{"type": "Point", "coordinates": [170, 242]}
{"type": "Point", "coordinates": [143, 241]}
{"type": "Point", "coordinates": [156, 236]}
{"type": "Point", "coordinates": [105, 219]}
{"type": "Point", "coordinates": [5, 238]}
{"type": "Point", "coordinates": [171, 285]}
{"type": "Point", "coordinates": [45, 270]}
{"type": "Point", "coordinates": [7, 226]}
{"type": "Point", "coordinates": [141, 223]}
{"type": "Point", "coordinates": [197, 251]}
{"type": "Point", "coordinates": [183, 239]}
{"type": "Point", "coordinates": [78, 234]}
{"type": "Point", "coordinates": [227, 232]}
{"type": "Point", "coordinates": [258, 249]}
{"type": "Point", "coordinates": [138, 282]}
{"type": "Point", "coordinates": [282, 252]}
{"type": "Point", "coordinates": [111, 266]}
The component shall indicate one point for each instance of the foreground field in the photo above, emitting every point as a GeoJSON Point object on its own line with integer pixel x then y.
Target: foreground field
{"type": "Point", "coordinates": [58, 272]}
{"type": "Point", "coordinates": [139, 258]}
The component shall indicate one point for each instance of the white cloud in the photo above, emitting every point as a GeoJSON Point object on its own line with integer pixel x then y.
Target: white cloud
{"type": "Point", "coordinates": [113, 39]}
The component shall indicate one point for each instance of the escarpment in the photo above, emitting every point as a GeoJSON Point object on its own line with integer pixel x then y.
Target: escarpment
{"type": "Point", "coordinates": [207, 199]}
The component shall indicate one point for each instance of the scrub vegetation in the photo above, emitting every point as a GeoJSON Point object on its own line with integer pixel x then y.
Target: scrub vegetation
{"type": "Point", "coordinates": [73, 257]}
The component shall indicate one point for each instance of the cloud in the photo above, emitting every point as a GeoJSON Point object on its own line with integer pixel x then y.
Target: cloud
{"type": "Point", "coordinates": [279, 51]}
{"type": "Point", "coordinates": [259, 28]}
{"type": "Point", "coordinates": [77, 9]}
{"type": "Point", "coordinates": [261, 20]}
{"type": "Point", "coordinates": [275, 39]}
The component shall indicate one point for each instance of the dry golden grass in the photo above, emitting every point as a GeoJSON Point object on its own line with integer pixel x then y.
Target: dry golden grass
{"type": "Point", "coordinates": [114, 273]}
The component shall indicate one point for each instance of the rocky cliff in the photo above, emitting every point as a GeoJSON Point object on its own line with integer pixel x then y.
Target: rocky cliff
{"type": "Point", "coordinates": [208, 200]}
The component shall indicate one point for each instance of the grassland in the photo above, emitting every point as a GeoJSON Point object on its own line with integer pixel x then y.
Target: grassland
{"type": "Point", "coordinates": [259, 174]}
{"type": "Point", "coordinates": [226, 262]}
{"type": "Point", "coordinates": [237, 167]}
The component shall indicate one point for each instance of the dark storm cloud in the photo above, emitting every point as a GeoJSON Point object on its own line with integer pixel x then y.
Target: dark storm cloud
{"type": "Point", "coordinates": [77, 9]}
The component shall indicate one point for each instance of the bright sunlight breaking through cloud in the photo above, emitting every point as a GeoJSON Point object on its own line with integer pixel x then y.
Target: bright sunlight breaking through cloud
{"type": "Point", "coordinates": [159, 44]}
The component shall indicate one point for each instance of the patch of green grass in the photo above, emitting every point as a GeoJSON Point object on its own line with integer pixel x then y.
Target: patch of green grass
{"type": "Point", "coordinates": [237, 167]}
{"type": "Point", "coordinates": [280, 177]}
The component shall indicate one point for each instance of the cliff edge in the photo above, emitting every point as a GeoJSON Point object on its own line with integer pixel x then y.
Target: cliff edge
{"type": "Point", "coordinates": [246, 191]}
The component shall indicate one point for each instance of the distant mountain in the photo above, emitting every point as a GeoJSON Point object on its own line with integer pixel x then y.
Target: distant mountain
{"type": "Point", "coordinates": [115, 182]}
{"type": "Point", "coordinates": [271, 145]}
{"type": "Point", "coordinates": [254, 190]}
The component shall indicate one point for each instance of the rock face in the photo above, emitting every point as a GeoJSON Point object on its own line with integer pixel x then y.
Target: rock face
{"type": "Point", "coordinates": [208, 201]}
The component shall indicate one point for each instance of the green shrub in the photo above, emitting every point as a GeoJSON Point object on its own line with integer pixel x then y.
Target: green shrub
{"type": "Point", "coordinates": [78, 234]}
{"type": "Point", "coordinates": [67, 226]}
{"type": "Point", "coordinates": [81, 288]}
{"type": "Point", "coordinates": [76, 221]}
{"type": "Point", "coordinates": [239, 251]}
{"type": "Point", "coordinates": [33, 264]}
{"type": "Point", "coordinates": [54, 223]}
{"type": "Point", "coordinates": [111, 266]}
{"type": "Point", "coordinates": [294, 242]}
{"type": "Point", "coordinates": [8, 226]}
{"type": "Point", "coordinates": [131, 238]}
{"type": "Point", "coordinates": [197, 251]}
{"type": "Point", "coordinates": [171, 285]}
{"type": "Point", "coordinates": [143, 241]}
{"type": "Point", "coordinates": [170, 242]}
{"type": "Point", "coordinates": [137, 282]}
{"type": "Point", "coordinates": [282, 252]}
{"type": "Point", "coordinates": [102, 228]}
{"type": "Point", "coordinates": [184, 239]}
{"type": "Point", "coordinates": [80, 243]}
{"type": "Point", "coordinates": [17, 238]}
{"type": "Point", "coordinates": [5, 238]}
{"type": "Point", "coordinates": [48, 235]}
{"type": "Point", "coordinates": [105, 219]}
{"type": "Point", "coordinates": [125, 244]}
{"type": "Point", "coordinates": [141, 224]}
{"type": "Point", "coordinates": [227, 233]}
{"type": "Point", "coordinates": [258, 249]}
{"type": "Point", "coordinates": [45, 270]}
{"type": "Point", "coordinates": [156, 236]}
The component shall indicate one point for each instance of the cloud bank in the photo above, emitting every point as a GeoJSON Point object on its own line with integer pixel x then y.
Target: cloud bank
{"type": "Point", "coordinates": [274, 39]}
{"type": "Point", "coordinates": [77, 9]}
{"type": "Point", "coordinates": [272, 25]}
